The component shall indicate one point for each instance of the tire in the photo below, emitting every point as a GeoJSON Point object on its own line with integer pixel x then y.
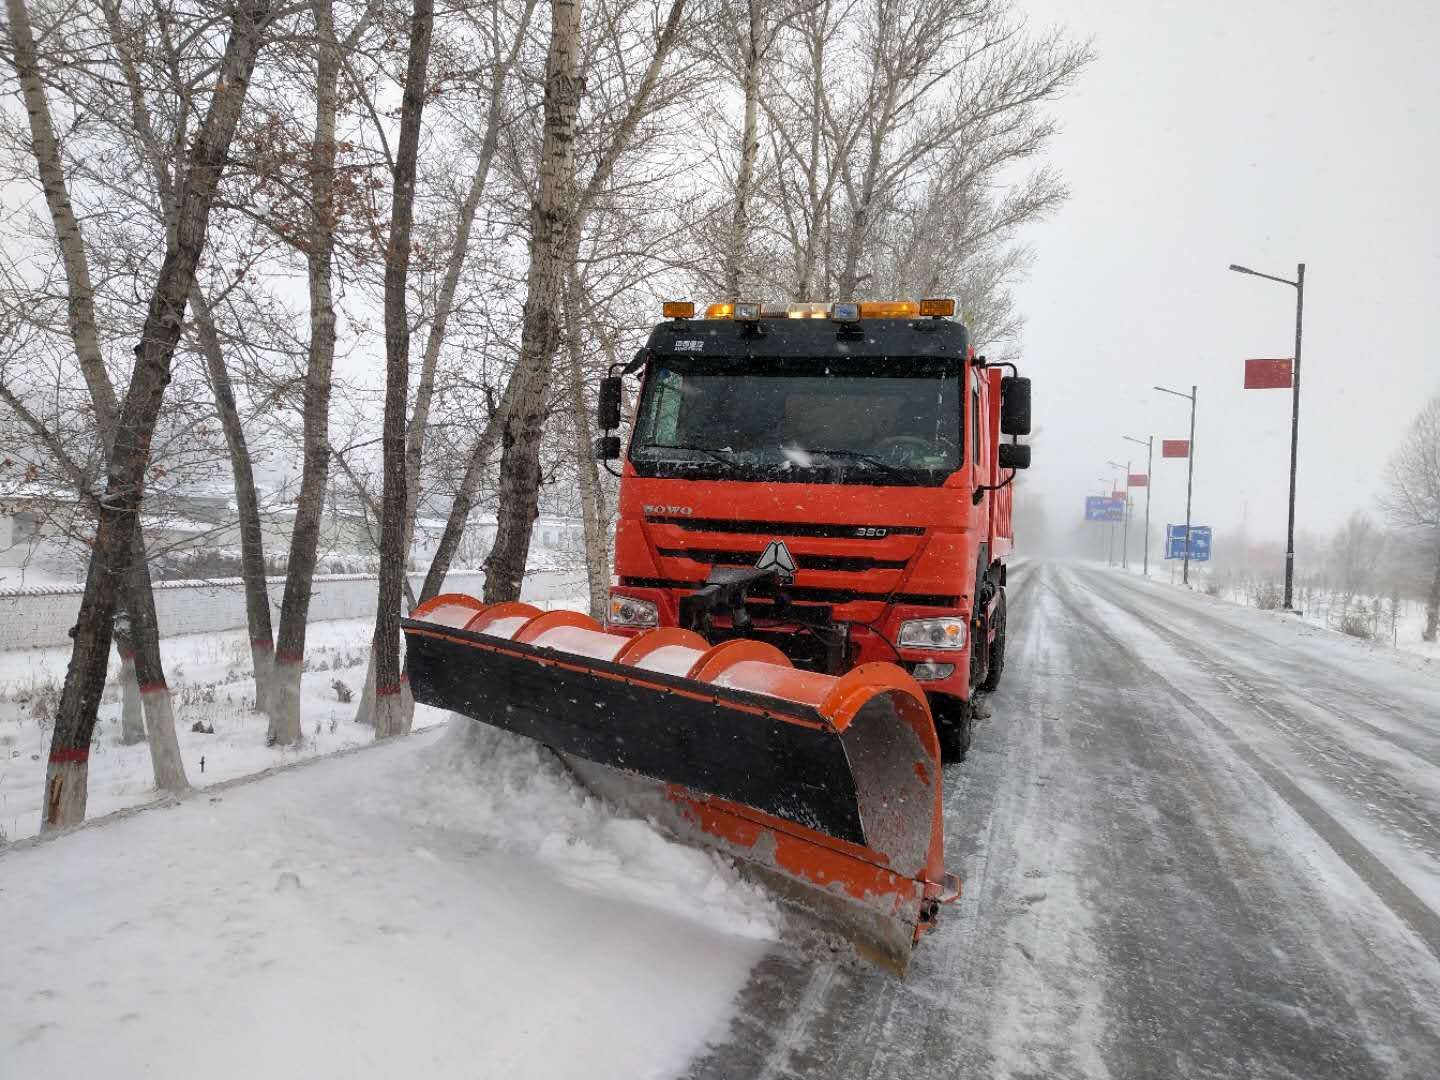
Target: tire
{"type": "Point", "coordinates": [954, 727]}
{"type": "Point", "coordinates": [996, 666]}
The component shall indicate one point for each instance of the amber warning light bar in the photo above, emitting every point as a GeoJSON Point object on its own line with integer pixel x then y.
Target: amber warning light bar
{"type": "Point", "coordinates": [750, 310]}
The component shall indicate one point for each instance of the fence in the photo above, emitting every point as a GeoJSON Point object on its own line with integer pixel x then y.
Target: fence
{"type": "Point", "coordinates": [43, 615]}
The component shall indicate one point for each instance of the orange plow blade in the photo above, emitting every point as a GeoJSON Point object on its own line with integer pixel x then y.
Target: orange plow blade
{"type": "Point", "coordinates": [828, 788]}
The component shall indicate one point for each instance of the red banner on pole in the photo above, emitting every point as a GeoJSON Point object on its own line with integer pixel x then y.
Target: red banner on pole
{"type": "Point", "coordinates": [1174, 447]}
{"type": "Point", "coordinates": [1139, 479]}
{"type": "Point", "coordinates": [1268, 374]}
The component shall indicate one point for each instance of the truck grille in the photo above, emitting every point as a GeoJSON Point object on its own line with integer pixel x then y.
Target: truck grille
{"type": "Point", "coordinates": [787, 528]}
{"type": "Point", "coordinates": [851, 563]}
{"type": "Point", "coordinates": [808, 595]}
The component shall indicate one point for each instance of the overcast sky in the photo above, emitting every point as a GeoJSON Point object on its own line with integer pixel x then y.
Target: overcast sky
{"type": "Point", "coordinates": [1262, 133]}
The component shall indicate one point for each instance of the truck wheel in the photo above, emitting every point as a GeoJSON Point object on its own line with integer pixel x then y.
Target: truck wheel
{"type": "Point", "coordinates": [954, 725]}
{"type": "Point", "coordinates": [997, 648]}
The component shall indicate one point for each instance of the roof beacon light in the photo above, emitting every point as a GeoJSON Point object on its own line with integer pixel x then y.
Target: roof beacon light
{"type": "Point", "coordinates": [747, 311]}
{"type": "Point", "coordinates": [889, 309]}
{"type": "Point", "coordinates": [845, 312]}
{"type": "Point", "coordinates": [678, 309]}
{"type": "Point", "coordinates": [807, 311]}
{"type": "Point", "coordinates": [938, 309]}
{"type": "Point", "coordinates": [720, 311]}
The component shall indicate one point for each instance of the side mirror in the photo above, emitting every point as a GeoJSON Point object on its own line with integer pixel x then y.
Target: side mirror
{"type": "Point", "coordinates": [1015, 406]}
{"type": "Point", "coordinates": [1014, 455]}
{"type": "Point", "coordinates": [607, 448]}
{"type": "Point", "coordinates": [607, 412]}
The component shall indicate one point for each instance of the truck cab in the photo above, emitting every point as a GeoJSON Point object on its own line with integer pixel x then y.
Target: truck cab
{"type": "Point", "coordinates": [826, 478]}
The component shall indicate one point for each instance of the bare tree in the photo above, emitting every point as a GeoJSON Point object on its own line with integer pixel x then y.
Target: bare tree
{"type": "Point", "coordinates": [392, 717]}
{"type": "Point", "coordinates": [68, 769]}
{"type": "Point", "coordinates": [758, 26]}
{"type": "Point", "coordinates": [247, 503]}
{"type": "Point", "coordinates": [1412, 499]}
{"type": "Point", "coordinates": [142, 632]}
{"type": "Point", "coordinates": [558, 218]}
{"type": "Point", "coordinates": [1355, 554]}
{"type": "Point", "coordinates": [551, 217]}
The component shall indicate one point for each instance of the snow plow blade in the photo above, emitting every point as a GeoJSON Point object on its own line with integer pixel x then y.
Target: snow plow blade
{"type": "Point", "coordinates": [828, 788]}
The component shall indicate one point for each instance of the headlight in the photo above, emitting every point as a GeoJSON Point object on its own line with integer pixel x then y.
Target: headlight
{"type": "Point", "coordinates": [627, 611]}
{"type": "Point", "coordinates": [932, 634]}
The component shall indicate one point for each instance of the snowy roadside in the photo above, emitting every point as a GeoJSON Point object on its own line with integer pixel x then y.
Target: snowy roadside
{"type": "Point", "coordinates": [212, 682]}
{"type": "Point", "coordinates": [1387, 626]}
{"type": "Point", "coordinates": [351, 911]}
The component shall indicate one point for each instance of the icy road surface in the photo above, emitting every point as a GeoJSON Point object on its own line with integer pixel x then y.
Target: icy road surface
{"type": "Point", "coordinates": [1196, 841]}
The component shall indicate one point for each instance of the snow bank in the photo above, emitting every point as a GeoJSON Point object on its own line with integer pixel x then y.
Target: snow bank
{"type": "Point", "coordinates": [514, 794]}
{"type": "Point", "coordinates": [371, 916]}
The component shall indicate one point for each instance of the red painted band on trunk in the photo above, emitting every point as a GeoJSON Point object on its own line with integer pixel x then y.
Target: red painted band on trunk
{"type": "Point", "coordinates": [127, 655]}
{"type": "Point", "coordinates": [289, 658]}
{"type": "Point", "coordinates": [154, 687]}
{"type": "Point", "coordinates": [70, 755]}
{"type": "Point", "coordinates": [387, 691]}
{"type": "Point", "coordinates": [263, 643]}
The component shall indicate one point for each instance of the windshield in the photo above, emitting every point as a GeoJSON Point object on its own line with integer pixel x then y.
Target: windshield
{"type": "Point", "coordinates": [867, 421]}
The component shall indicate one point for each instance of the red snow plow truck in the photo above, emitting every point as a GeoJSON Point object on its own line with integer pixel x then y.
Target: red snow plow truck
{"type": "Point", "coordinates": [810, 556]}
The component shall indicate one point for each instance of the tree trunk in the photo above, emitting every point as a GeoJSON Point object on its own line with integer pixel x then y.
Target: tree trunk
{"type": "Point", "coordinates": [150, 672]}
{"type": "Point", "coordinates": [592, 496]}
{"type": "Point", "coordinates": [854, 245]}
{"type": "Point", "coordinates": [132, 721]}
{"type": "Point", "coordinates": [805, 276]}
{"type": "Point", "coordinates": [551, 218]}
{"type": "Point", "coordinates": [247, 504]}
{"type": "Point", "coordinates": [315, 466]}
{"type": "Point", "coordinates": [391, 713]}
{"type": "Point", "coordinates": [68, 768]}
{"type": "Point", "coordinates": [749, 150]}
{"type": "Point", "coordinates": [1432, 602]}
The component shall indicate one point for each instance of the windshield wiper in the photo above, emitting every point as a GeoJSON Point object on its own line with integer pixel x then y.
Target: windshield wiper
{"type": "Point", "coordinates": [860, 455]}
{"type": "Point", "coordinates": [714, 452]}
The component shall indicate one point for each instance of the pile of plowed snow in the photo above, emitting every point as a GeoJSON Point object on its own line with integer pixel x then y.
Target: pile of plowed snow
{"type": "Point", "coordinates": [448, 905]}
{"type": "Point", "coordinates": [510, 791]}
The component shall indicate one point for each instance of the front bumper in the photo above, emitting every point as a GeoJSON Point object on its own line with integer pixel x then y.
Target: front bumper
{"type": "Point", "coordinates": [869, 642]}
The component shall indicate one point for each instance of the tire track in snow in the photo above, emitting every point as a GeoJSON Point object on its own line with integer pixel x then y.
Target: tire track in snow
{"type": "Point", "coordinates": [1380, 796]}
{"type": "Point", "coordinates": [1229, 960]}
{"type": "Point", "coordinates": [1298, 667]}
{"type": "Point", "coordinates": [1388, 888]}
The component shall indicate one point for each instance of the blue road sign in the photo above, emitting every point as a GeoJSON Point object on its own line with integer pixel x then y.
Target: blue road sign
{"type": "Point", "coordinates": [1101, 508]}
{"type": "Point", "coordinates": [1199, 542]}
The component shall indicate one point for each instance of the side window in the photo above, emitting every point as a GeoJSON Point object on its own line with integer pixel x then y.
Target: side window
{"type": "Point", "coordinates": [665, 419]}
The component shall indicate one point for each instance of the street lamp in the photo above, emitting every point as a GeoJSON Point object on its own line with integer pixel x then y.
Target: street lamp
{"type": "Point", "coordinates": [1299, 286]}
{"type": "Point", "coordinates": [1189, 475]}
{"type": "Point", "coordinates": [1149, 444]}
{"type": "Point", "coordinates": [1124, 518]}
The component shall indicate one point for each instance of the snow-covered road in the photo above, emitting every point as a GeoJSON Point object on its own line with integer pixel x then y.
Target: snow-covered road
{"type": "Point", "coordinates": [1196, 841]}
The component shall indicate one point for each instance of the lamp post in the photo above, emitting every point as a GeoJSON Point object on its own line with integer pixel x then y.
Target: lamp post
{"type": "Point", "coordinates": [1124, 519]}
{"type": "Point", "coordinates": [1299, 286]}
{"type": "Point", "coordinates": [1149, 445]}
{"type": "Point", "coordinates": [1190, 473]}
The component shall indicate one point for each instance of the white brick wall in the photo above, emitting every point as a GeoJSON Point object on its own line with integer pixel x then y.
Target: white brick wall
{"type": "Point", "coordinates": [43, 615]}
